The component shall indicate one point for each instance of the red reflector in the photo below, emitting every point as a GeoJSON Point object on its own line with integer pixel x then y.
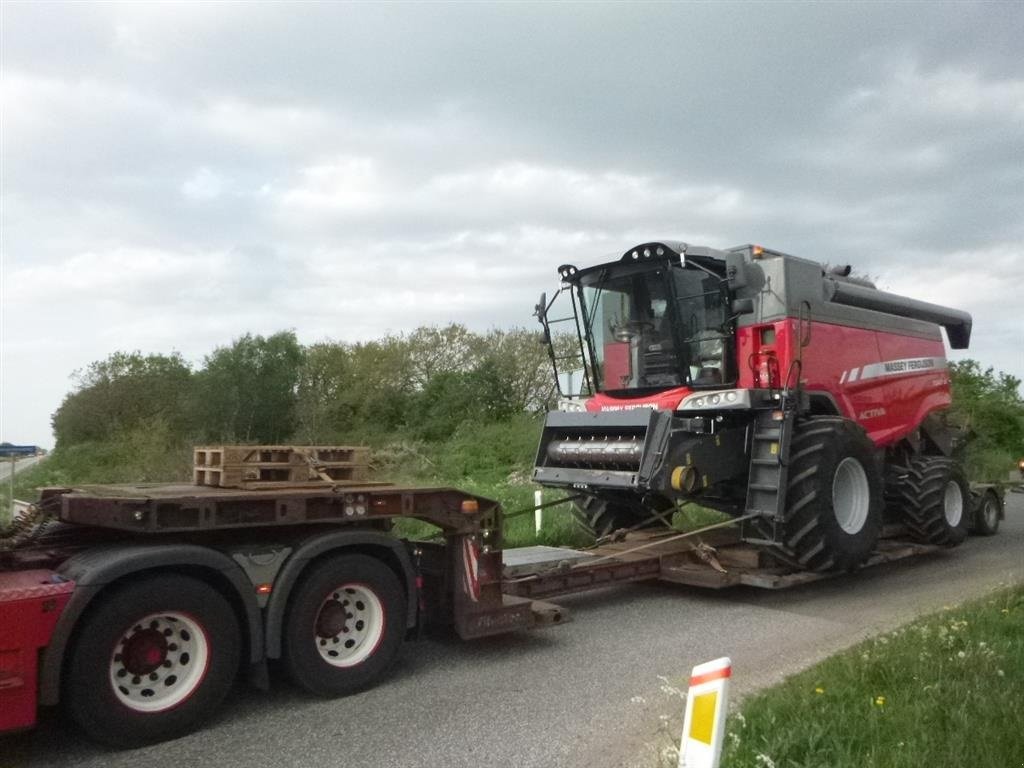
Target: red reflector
{"type": "Point", "coordinates": [715, 674]}
{"type": "Point", "coordinates": [264, 589]}
{"type": "Point", "coordinates": [419, 582]}
{"type": "Point", "coordinates": [470, 506]}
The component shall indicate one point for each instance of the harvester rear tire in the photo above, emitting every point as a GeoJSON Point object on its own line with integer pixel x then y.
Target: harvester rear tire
{"type": "Point", "coordinates": [834, 496]}
{"type": "Point", "coordinates": [932, 498]}
{"type": "Point", "coordinates": [986, 517]}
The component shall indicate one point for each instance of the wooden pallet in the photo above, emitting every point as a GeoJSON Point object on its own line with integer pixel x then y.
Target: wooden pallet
{"type": "Point", "coordinates": [254, 467]}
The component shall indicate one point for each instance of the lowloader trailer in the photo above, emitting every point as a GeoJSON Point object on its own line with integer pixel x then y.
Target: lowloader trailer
{"type": "Point", "coordinates": [136, 606]}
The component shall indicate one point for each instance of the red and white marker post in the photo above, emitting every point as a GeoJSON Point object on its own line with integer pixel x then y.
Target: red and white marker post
{"type": "Point", "coordinates": [704, 723]}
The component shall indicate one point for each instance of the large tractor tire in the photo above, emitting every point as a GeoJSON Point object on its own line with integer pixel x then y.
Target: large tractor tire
{"type": "Point", "coordinates": [152, 661]}
{"type": "Point", "coordinates": [345, 625]}
{"type": "Point", "coordinates": [932, 497]}
{"type": "Point", "coordinates": [601, 517]}
{"type": "Point", "coordinates": [988, 514]}
{"type": "Point", "coordinates": [834, 496]}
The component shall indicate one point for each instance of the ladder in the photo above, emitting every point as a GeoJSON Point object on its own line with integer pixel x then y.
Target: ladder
{"type": "Point", "coordinates": [769, 462]}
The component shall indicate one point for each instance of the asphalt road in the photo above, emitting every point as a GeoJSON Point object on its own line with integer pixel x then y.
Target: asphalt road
{"type": "Point", "coordinates": [586, 693]}
{"type": "Point", "coordinates": [20, 464]}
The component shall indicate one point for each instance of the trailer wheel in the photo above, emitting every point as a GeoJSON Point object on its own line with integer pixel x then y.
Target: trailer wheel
{"type": "Point", "coordinates": [154, 660]}
{"type": "Point", "coordinates": [345, 625]}
{"type": "Point", "coordinates": [932, 499]}
{"type": "Point", "coordinates": [986, 517]}
{"type": "Point", "coordinates": [833, 496]}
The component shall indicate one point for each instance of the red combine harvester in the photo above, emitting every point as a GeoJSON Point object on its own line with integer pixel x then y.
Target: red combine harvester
{"type": "Point", "coordinates": [804, 401]}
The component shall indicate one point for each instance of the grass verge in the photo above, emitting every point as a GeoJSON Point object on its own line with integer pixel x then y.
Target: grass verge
{"type": "Point", "coordinates": [945, 690]}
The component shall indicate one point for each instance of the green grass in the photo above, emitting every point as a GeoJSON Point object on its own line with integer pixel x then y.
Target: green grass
{"type": "Point", "coordinates": [946, 690]}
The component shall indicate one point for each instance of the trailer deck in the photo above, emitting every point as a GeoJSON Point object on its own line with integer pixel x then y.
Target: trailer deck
{"type": "Point", "coordinates": [716, 561]}
{"type": "Point", "coordinates": [164, 507]}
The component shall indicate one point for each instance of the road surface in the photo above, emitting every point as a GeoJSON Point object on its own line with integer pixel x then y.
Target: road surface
{"type": "Point", "coordinates": [584, 694]}
{"type": "Point", "coordinates": [20, 464]}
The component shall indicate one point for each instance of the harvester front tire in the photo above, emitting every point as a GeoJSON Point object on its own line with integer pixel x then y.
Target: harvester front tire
{"type": "Point", "coordinates": [600, 517]}
{"type": "Point", "coordinates": [834, 496]}
{"type": "Point", "coordinates": [932, 498]}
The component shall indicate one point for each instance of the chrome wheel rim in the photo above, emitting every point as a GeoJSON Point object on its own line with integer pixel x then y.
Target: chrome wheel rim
{"type": "Point", "coordinates": [349, 625]}
{"type": "Point", "coordinates": [851, 495]}
{"type": "Point", "coordinates": [159, 661]}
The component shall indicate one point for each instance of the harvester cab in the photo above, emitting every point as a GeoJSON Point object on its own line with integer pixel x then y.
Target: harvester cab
{"type": "Point", "coordinates": [659, 318]}
{"type": "Point", "coordinates": [691, 374]}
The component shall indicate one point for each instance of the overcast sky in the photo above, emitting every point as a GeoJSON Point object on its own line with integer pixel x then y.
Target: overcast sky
{"type": "Point", "coordinates": [177, 175]}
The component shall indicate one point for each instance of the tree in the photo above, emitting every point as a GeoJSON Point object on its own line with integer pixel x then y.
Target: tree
{"type": "Point", "coordinates": [523, 366]}
{"type": "Point", "coordinates": [247, 391]}
{"type": "Point", "coordinates": [434, 351]}
{"type": "Point", "coordinates": [122, 392]}
{"type": "Point", "coordinates": [325, 407]}
{"type": "Point", "coordinates": [990, 405]}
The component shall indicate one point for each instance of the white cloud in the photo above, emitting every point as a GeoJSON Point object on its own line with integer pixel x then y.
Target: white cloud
{"type": "Point", "coordinates": [203, 185]}
{"type": "Point", "coordinates": [344, 184]}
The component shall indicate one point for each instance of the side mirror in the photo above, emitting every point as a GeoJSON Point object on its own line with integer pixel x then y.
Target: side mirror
{"type": "Point", "coordinates": [541, 313]}
{"type": "Point", "coordinates": [735, 270]}
{"type": "Point", "coordinates": [742, 306]}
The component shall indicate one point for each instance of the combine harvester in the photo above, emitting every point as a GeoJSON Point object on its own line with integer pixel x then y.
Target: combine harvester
{"type": "Point", "coordinates": [745, 380]}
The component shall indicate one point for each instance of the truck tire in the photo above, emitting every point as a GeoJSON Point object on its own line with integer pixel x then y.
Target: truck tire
{"type": "Point", "coordinates": [344, 625]}
{"type": "Point", "coordinates": [834, 496]}
{"type": "Point", "coordinates": [986, 516]}
{"type": "Point", "coordinates": [153, 660]}
{"type": "Point", "coordinates": [932, 500]}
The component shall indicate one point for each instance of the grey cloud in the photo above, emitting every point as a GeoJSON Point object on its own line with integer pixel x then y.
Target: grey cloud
{"type": "Point", "coordinates": [182, 173]}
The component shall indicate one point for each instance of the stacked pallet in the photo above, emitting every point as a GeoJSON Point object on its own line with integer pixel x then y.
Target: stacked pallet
{"type": "Point", "coordinates": [255, 467]}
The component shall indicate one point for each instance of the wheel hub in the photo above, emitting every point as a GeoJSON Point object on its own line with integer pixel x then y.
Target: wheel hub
{"type": "Point", "coordinates": [349, 625]}
{"type": "Point", "coordinates": [991, 512]}
{"type": "Point", "coordinates": [953, 503]}
{"type": "Point", "coordinates": [158, 662]}
{"type": "Point", "coordinates": [331, 621]}
{"type": "Point", "coordinates": [144, 651]}
{"type": "Point", "coordinates": [851, 495]}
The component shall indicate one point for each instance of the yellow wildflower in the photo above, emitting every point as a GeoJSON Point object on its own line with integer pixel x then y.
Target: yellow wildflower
{"type": "Point", "coordinates": [819, 689]}
{"type": "Point", "coordinates": [880, 701]}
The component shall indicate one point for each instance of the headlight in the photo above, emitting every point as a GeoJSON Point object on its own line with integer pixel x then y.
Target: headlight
{"type": "Point", "coordinates": [572, 405]}
{"type": "Point", "coordinates": [732, 399]}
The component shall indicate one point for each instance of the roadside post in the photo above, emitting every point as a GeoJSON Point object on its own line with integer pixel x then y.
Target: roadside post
{"type": "Point", "coordinates": [538, 513]}
{"type": "Point", "coordinates": [704, 722]}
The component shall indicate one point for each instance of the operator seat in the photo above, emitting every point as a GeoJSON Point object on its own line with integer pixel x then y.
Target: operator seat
{"type": "Point", "coordinates": [710, 352]}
